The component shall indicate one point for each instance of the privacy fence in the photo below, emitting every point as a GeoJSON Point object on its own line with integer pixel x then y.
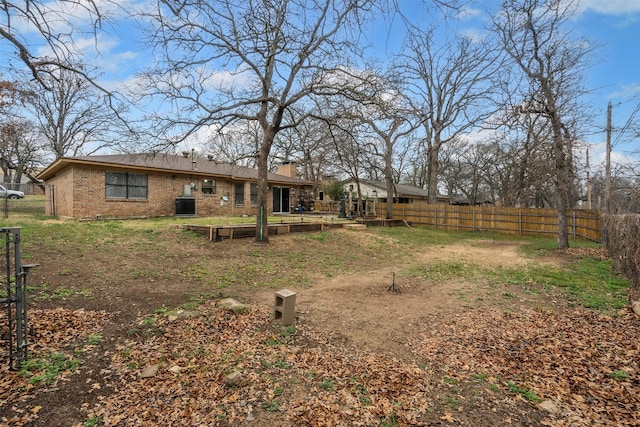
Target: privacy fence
{"type": "Point", "coordinates": [584, 224]}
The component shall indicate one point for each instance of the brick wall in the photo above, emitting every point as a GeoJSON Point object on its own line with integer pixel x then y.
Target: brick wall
{"type": "Point", "coordinates": [80, 193]}
{"type": "Point", "coordinates": [63, 198]}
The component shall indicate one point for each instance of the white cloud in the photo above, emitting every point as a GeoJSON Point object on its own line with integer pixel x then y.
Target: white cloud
{"type": "Point", "coordinates": [199, 139]}
{"type": "Point", "coordinates": [610, 7]}
{"type": "Point", "coordinates": [469, 13]}
{"type": "Point", "coordinates": [598, 154]}
{"type": "Point", "coordinates": [225, 79]}
{"type": "Point", "coordinates": [626, 92]}
{"type": "Point", "coordinates": [473, 34]}
{"type": "Point", "coordinates": [100, 52]}
{"type": "Point", "coordinates": [62, 16]}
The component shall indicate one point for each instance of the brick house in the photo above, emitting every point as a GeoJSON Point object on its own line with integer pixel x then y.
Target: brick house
{"type": "Point", "coordinates": [153, 185]}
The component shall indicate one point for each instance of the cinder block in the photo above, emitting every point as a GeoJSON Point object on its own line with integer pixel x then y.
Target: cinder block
{"type": "Point", "coordinates": [285, 308]}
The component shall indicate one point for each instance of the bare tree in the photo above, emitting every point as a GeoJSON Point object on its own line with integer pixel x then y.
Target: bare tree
{"type": "Point", "coordinates": [390, 130]}
{"type": "Point", "coordinates": [476, 164]}
{"type": "Point", "coordinates": [346, 133]}
{"type": "Point", "coordinates": [20, 150]}
{"type": "Point", "coordinates": [451, 88]}
{"type": "Point", "coordinates": [19, 144]}
{"type": "Point", "coordinates": [237, 144]}
{"type": "Point", "coordinates": [310, 145]}
{"type": "Point", "coordinates": [451, 166]}
{"type": "Point", "coordinates": [625, 190]}
{"type": "Point", "coordinates": [377, 106]}
{"type": "Point", "coordinates": [224, 61]}
{"type": "Point", "coordinates": [12, 94]}
{"type": "Point", "coordinates": [54, 28]}
{"type": "Point", "coordinates": [523, 162]}
{"type": "Point", "coordinates": [416, 164]}
{"type": "Point", "coordinates": [531, 33]}
{"type": "Point", "coordinates": [73, 116]}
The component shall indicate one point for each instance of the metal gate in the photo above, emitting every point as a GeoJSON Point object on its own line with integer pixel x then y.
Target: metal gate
{"type": "Point", "coordinates": [14, 297]}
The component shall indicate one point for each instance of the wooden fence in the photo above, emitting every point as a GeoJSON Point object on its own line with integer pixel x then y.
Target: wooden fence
{"type": "Point", "coordinates": [585, 224]}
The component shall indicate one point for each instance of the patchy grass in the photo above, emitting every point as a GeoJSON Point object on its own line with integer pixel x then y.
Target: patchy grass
{"type": "Point", "coordinates": [619, 375]}
{"type": "Point", "coordinates": [44, 291]}
{"type": "Point", "coordinates": [327, 384]}
{"type": "Point", "coordinates": [449, 270]}
{"type": "Point", "coordinates": [173, 268]}
{"type": "Point", "coordinates": [48, 367]}
{"type": "Point", "coordinates": [587, 282]}
{"type": "Point", "coordinates": [525, 392]}
{"type": "Point", "coordinates": [95, 339]}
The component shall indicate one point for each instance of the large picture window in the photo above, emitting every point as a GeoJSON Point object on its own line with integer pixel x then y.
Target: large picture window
{"type": "Point", "coordinates": [239, 193]}
{"type": "Point", "coordinates": [124, 185]}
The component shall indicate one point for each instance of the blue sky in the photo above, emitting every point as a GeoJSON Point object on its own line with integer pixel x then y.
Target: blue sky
{"type": "Point", "coordinates": [615, 76]}
{"type": "Point", "coordinates": [614, 27]}
{"type": "Point", "coordinates": [612, 24]}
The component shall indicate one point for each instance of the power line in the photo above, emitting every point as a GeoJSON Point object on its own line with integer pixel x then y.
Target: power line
{"type": "Point", "coordinates": [627, 124]}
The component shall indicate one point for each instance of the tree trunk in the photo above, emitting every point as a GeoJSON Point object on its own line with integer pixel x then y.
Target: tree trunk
{"type": "Point", "coordinates": [562, 182]}
{"type": "Point", "coordinates": [388, 171]}
{"type": "Point", "coordinates": [390, 198]}
{"type": "Point", "coordinates": [262, 223]}
{"type": "Point", "coordinates": [359, 200]}
{"type": "Point", "coordinates": [432, 172]}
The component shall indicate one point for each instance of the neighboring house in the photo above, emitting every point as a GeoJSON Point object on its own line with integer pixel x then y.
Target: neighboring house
{"type": "Point", "coordinates": [467, 202]}
{"type": "Point", "coordinates": [375, 192]}
{"type": "Point", "coordinates": [152, 185]}
{"type": "Point", "coordinates": [378, 190]}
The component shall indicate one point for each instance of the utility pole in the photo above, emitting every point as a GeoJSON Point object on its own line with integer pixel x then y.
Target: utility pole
{"type": "Point", "coordinates": [607, 166]}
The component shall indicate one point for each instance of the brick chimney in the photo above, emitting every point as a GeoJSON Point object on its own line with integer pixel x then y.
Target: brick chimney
{"type": "Point", "coordinates": [288, 169]}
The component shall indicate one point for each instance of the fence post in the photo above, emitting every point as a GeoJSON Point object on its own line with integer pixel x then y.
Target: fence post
{"type": "Point", "coordinates": [435, 216]}
{"type": "Point", "coordinates": [574, 225]}
{"type": "Point", "coordinates": [520, 222]}
{"type": "Point", "coordinates": [473, 219]}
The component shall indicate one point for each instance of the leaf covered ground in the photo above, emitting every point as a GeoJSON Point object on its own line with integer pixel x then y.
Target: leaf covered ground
{"type": "Point", "coordinates": [480, 361]}
{"type": "Point", "coordinates": [481, 366]}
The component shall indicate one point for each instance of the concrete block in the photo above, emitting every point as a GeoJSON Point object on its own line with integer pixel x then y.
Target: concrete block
{"type": "Point", "coordinates": [285, 307]}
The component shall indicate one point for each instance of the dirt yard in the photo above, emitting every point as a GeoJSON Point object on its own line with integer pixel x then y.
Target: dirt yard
{"type": "Point", "coordinates": [378, 340]}
{"type": "Point", "coordinates": [368, 312]}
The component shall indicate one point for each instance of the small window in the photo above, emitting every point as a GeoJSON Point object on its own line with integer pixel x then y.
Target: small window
{"type": "Point", "coordinates": [124, 185]}
{"type": "Point", "coordinates": [254, 194]}
{"type": "Point", "coordinates": [239, 193]}
{"type": "Point", "coordinates": [208, 186]}
{"type": "Point", "coordinates": [321, 195]}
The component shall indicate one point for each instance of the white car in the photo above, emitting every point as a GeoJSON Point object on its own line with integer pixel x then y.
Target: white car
{"type": "Point", "coordinates": [10, 194]}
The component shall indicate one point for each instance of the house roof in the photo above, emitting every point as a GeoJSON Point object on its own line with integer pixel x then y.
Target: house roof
{"type": "Point", "coordinates": [162, 162]}
{"type": "Point", "coordinates": [402, 190]}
